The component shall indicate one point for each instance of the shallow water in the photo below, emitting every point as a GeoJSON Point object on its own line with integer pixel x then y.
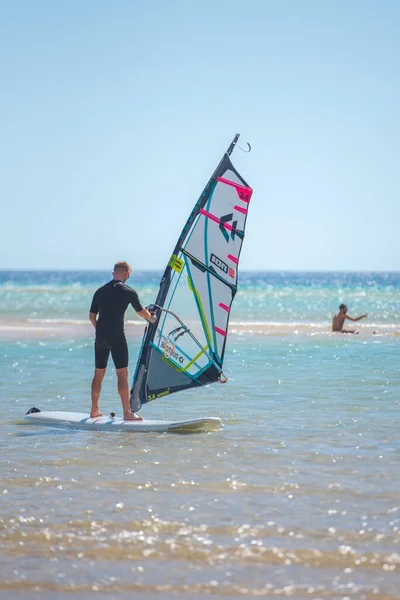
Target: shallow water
{"type": "Point", "coordinates": [297, 495]}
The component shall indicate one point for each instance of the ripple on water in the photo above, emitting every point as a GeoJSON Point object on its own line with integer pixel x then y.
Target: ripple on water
{"type": "Point", "coordinates": [297, 496]}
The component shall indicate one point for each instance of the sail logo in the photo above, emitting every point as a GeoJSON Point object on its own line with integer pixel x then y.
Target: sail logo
{"type": "Point", "coordinates": [176, 263]}
{"type": "Point", "coordinates": [170, 352]}
{"type": "Point", "coordinates": [219, 263]}
{"type": "Point", "coordinates": [151, 397]}
{"type": "Point", "coordinates": [224, 221]}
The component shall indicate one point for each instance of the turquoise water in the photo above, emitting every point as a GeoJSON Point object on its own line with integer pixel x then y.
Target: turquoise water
{"type": "Point", "coordinates": [266, 297]}
{"type": "Point", "coordinates": [297, 496]}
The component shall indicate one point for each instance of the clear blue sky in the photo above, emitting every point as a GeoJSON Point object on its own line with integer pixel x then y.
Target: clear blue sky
{"type": "Point", "coordinates": [114, 113]}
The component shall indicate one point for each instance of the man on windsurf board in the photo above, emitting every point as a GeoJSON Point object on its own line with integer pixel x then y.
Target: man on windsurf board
{"type": "Point", "coordinates": [107, 317]}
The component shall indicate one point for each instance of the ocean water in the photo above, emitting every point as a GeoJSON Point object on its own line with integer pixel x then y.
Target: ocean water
{"type": "Point", "coordinates": [262, 297]}
{"type": "Point", "coordinates": [296, 496]}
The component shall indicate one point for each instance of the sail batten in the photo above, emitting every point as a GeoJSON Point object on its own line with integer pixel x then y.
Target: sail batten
{"type": "Point", "coordinates": [185, 347]}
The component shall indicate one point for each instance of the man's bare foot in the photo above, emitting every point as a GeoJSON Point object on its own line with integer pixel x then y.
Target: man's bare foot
{"type": "Point", "coordinates": [95, 413]}
{"type": "Point", "coordinates": [131, 416]}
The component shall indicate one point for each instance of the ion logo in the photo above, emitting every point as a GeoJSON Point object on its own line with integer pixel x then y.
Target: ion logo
{"type": "Point", "coordinates": [219, 263]}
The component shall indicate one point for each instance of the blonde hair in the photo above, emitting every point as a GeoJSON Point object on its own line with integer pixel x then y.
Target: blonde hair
{"type": "Point", "coordinates": [123, 265]}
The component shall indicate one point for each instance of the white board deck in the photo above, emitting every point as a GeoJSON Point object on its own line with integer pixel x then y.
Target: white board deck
{"type": "Point", "coordinates": [107, 423]}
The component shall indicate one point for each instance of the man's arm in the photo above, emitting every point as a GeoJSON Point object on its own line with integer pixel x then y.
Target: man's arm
{"type": "Point", "coordinates": [145, 314]}
{"type": "Point", "coordinates": [93, 319]}
{"type": "Point", "coordinates": [356, 318]}
{"type": "Point", "coordinates": [93, 310]}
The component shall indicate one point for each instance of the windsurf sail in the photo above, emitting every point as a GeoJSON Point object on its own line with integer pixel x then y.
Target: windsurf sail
{"type": "Point", "coordinates": [185, 347]}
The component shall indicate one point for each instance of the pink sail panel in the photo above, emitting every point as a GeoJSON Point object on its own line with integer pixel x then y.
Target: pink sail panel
{"type": "Point", "coordinates": [243, 192]}
{"type": "Point", "coordinates": [241, 210]}
{"type": "Point", "coordinates": [220, 331]}
{"type": "Point", "coordinates": [215, 219]}
{"type": "Point", "coordinates": [224, 306]}
{"type": "Point", "coordinates": [233, 259]}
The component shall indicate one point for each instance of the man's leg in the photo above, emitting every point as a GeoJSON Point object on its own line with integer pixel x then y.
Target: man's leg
{"type": "Point", "coordinates": [96, 389]}
{"type": "Point", "coordinates": [123, 390]}
{"type": "Point", "coordinates": [101, 354]}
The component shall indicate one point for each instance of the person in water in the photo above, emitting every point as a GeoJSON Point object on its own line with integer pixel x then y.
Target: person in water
{"type": "Point", "coordinates": [107, 317]}
{"type": "Point", "coordinates": [339, 319]}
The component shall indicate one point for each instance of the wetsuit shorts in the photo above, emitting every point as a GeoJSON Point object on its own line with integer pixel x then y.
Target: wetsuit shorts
{"type": "Point", "coordinates": [118, 348]}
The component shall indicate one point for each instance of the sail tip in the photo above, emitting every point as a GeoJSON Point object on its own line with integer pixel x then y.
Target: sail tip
{"type": "Point", "coordinates": [234, 144]}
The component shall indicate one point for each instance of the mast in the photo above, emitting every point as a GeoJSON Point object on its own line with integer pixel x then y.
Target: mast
{"type": "Point", "coordinates": [232, 145]}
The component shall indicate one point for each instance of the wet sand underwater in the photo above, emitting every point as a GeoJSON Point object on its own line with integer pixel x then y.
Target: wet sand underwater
{"type": "Point", "coordinates": [56, 328]}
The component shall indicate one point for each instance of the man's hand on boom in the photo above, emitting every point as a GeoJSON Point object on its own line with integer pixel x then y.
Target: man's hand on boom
{"type": "Point", "coordinates": [148, 316]}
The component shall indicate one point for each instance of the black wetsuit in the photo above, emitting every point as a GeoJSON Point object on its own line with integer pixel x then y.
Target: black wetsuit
{"type": "Point", "coordinates": [110, 303]}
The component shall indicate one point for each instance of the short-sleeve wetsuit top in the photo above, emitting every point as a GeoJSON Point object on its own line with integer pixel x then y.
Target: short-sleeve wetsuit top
{"type": "Point", "coordinates": [110, 303]}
